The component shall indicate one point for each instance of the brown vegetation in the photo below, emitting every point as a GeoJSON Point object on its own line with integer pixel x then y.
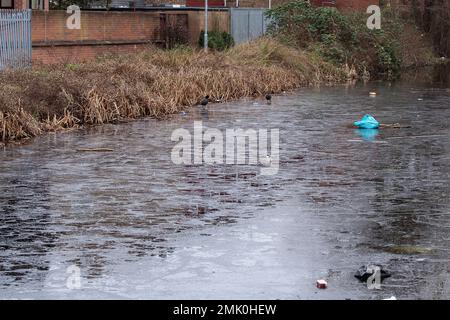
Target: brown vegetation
{"type": "Point", "coordinates": [432, 16]}
{"type": "Point", "coordinates": [153, 83]}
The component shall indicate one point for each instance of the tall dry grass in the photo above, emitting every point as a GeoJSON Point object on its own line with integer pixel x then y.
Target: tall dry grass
{"type": "Point", "coordinates": [153, 83]}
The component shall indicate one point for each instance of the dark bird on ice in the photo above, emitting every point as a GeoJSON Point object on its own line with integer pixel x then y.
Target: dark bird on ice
{"type": "Point", "coordinates": [204, 101]}
{"type": "Point", "coordinates": [269, 98]}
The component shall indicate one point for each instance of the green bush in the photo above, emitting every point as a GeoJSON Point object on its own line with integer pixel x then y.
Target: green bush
{"type": "Point", "coordinates": [337, 37]}
{"type": "Point", "coordinates": [388, 61]}
{"type": "Point", "coordinates": [216, 40]}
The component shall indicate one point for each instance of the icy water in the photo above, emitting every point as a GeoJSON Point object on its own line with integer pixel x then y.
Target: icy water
{"type": "Point", "coordinates": [139, 226]}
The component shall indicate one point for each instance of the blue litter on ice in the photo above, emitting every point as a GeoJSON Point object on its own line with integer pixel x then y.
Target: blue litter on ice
{"type": "Point", "coordinates": [367, 122]}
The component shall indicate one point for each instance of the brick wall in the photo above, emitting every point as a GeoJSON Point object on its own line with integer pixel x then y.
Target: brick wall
{"type": "Point", "coordinates": [162, 2]}
{"type": "Point", "coordinates": [201, 3]}
{"type": "Point", "coordinates": [25, 4]}
{"type": "Point", "coordinates": [111, 32]}
{"type": "Point", "coordinates": [355, 4]}
{"type": "Point", "coordinates": [340, 4]}
{"type": "Point", "coordinates": [248, 3]}
{"type": "Point", "coordinates": [19, 4]}
{"type": "Point", "coordinates": [50, 27]}
{"type": "Point", "coordinates": [101, 32]}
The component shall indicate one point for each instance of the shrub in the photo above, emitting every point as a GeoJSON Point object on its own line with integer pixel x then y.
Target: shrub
{"type": "Point", "coordinates": [337, 37]}
{"type": "Point", "coordinates": [216, 40]}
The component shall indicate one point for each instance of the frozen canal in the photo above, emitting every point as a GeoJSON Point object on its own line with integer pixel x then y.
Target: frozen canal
{"type": "Point", "coordinates": [139, 226]}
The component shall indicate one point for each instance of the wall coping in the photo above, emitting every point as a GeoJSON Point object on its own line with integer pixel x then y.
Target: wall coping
{"type": "Point", "coordinates": [91, 43]}
{"type": "Point", "coordinates": [129, 10]}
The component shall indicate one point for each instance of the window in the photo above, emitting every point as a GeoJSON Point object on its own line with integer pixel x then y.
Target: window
{"type": "Point", "coordinates": [36, 4]}
{"type": "Point", "coordinates": [6, 4]}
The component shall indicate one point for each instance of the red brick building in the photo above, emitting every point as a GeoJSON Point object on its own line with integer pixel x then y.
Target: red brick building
{"type": "Point", "coordinates": [201, 3]}
{"type": "Point", "coordinates": [346, 4]}
{"type": "Point", "coordinates": [340, 4]}
{"type": "Point", "coordinates": [24, 4]}
{"type": "Point", "coordinates": [355, 4]}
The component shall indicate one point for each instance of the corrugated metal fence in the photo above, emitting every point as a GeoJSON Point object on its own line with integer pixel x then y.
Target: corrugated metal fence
{"type": "Point", "coordinates": [247, 24]}
{"type": "Point", "coordinates": [15, 38]}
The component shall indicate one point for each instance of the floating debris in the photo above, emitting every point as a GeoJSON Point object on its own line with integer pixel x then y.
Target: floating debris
{"type": "Point", "coordinates": [408, 250]}
{"type": "Point", "coordinates": [266, 161]}
{"type": "Point", "coordinates": [367, 122]}
{"type": "Point", "coordinates": [372, 94]}
{"type": "Point", "coordinates": [364, 272]}
{"type": "Point", "coordinates": [321, 284]}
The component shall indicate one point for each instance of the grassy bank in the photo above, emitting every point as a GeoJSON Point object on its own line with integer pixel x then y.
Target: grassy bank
{"type": "Point", "coordinates": [152, 83]}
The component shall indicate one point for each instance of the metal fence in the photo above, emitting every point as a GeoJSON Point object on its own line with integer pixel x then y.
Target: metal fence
{"type": "Point", "coordinates": [15, 38]}
{"type": "Point", "coordinates": [247, 24]}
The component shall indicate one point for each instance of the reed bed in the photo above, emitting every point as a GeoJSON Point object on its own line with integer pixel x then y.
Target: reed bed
{"type": "Point", "coordinates": [153, 83]}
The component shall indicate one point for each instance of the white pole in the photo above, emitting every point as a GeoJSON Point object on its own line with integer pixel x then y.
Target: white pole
{"type": "Point", "coordinates": [270, 4]}
{"type": "Point", "coordinates": [206, 26]}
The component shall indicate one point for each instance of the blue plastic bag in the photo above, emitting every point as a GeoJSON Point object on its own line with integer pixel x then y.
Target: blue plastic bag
{"type": "Point", "coordinates": [367, 122]}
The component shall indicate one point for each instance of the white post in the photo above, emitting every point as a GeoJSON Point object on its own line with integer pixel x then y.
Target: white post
{"type": "Point", "coordinates": [206, 27]}
{"type": "Point", "coordinates": [270, 4]}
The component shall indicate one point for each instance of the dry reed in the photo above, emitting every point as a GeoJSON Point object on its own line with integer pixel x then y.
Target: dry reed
{"type": "Point", "coordinates": [153, 83]}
